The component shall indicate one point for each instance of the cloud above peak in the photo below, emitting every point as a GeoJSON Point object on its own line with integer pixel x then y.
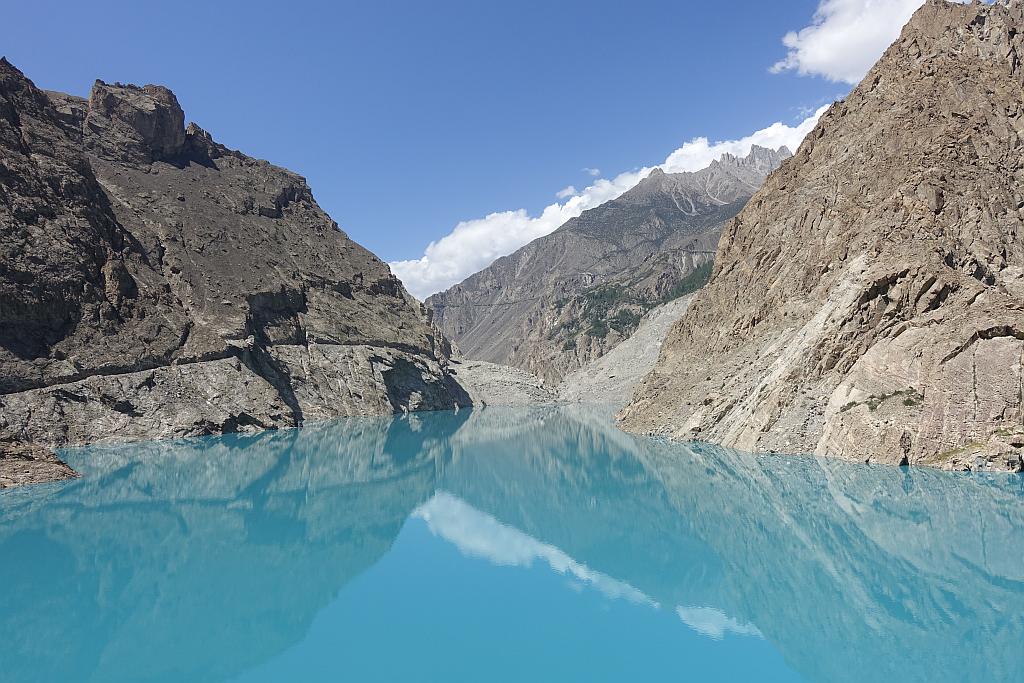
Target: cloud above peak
{"type": "Point", "coordinates": [474, 244]}
{"type": "Point", "coordinates": [845, 38]}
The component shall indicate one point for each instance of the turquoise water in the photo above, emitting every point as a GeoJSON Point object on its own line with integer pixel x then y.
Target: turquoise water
{"type": "Point", "coordinates": [505, 545]}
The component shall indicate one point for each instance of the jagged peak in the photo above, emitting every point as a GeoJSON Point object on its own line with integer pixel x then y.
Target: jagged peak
{"type": "Point", "coordinates": [931, 24]}
{"type": "Point", "coordinates": [761, 158]}
{"type": "Point", "coordinates": [10, 71]}
{"type": "Point", "coordinates": [142, 123]}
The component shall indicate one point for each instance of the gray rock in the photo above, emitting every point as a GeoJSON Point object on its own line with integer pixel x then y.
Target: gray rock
{"type": "Point", "coordinates": [24, 463]}
{"type": "Point", "coordinates": [612, 378]}
{"type": "Point", "coordinates": [133, 124]}
{"type": "Point", "coordinates": [872, 289]}
{"type": "Point", "coordinates": [154, 283]}
{"type": "Point", "coordinates": [489, 384]}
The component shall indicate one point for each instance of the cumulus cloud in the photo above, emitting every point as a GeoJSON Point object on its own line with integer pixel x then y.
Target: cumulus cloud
{"type": "Point", "coordinates": [592, 172]}
{"type": "Point", "coordinates": [566, 192]}
{"type": "Point", "coordinates": [845, 38]}
{"type": "Point", "coordinates": [714, 623]}
{"type": "Point", "coordinates": [478, 535]}
{"type": "Point", "coordinates": [474, 244]}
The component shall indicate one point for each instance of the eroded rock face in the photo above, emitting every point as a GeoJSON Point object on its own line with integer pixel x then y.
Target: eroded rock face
{"type": "Point", "coordinates": [22, 463]}
{"type": "Point", "coordinates": [569, 297]}
{"type": "Point", "coordinates": [867, 303]}
{"type": "Point", "coordinates": [129, 123]}
{"type": "Point", "coordinates": [154, 283]}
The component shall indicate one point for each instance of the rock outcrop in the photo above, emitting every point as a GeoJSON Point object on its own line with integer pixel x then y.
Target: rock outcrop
{"type": "Point", "coordinates": [489, 384]}
{"type": "Point", "coordinates": [568, 297]}
{"type": "Point", "coordinates": [154, 283]}
{"type": "Point", "coordinates": [23, 463]}
{"type": "Point", "coordinates": [868, 303]}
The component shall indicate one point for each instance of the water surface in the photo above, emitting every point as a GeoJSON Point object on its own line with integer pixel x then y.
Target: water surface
{"type": "Point", "coordinates": [505, 545]}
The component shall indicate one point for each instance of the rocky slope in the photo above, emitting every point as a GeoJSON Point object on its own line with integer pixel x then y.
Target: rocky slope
{"type": "Point", "coordinates": [25, 463]}
{"type": "Point", "coordinates": [612, 378]}
{"type": "Point", "coordinates": [568, 297]}
{"type": "Point", "coordinates": [490, 384]}
{"type": "Point", "coordinates": [867, 303]}
{"type": "Point", "coordinates": [154, 283]}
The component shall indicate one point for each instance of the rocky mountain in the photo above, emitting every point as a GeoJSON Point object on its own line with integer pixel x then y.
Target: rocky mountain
{"type": "Point", "coordinates": [869, 301]}
{"type": "Point", "coordinates": [154, 283]}
{"type": "Point", "coordinates": [568, 297]}
{"type": "Point", "coordinates": [612, 378]}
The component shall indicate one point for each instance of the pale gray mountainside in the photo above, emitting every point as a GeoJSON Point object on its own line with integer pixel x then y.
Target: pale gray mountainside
{"type": "Point", "coordinates": [154, 283]}
{"type": "Point", "coordinates": [869, 301]}
{"type": "Point", "coordinates": [570, 296]}
{"type": "Point", "coordinates": [613, 377]}
{"type": "Point", "coordinates": [609, 379]}
{"type": "Point", "coordinates": [490, 384]}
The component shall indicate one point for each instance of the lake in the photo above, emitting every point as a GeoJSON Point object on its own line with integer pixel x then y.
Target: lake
{"type": "Point", "coordinates": [537, 544]}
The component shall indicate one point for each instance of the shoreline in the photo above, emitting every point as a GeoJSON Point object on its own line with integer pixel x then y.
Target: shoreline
{"type": "Point", "coordinates": [22, 464]}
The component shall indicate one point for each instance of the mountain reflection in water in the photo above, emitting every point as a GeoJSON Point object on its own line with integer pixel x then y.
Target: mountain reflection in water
{"type": "Point", "coordinates": [505, 544]}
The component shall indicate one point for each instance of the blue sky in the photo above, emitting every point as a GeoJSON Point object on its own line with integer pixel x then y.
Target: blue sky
{"type": "Point", "coordinates": [409, 117]}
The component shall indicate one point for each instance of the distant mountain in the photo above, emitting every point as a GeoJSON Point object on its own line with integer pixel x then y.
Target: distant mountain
{"type": "Point", "coordinates": [154, 283]}
{"type": "Point", "coordinates": [869, 301]}
{"type": "Point", "coordinates": [570, 296]}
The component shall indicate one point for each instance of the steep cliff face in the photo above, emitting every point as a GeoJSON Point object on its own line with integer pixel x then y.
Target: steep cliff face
{"type": "Point", "coordinates": [154, 283]}
{"type": "Point", "coordinates": [570, 296]}
{"type": "Point", "coordinates": [867, 303]}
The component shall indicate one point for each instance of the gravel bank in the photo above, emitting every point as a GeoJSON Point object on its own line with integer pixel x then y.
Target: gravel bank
{"type": "Point", "coordinates": [612, 377]}
{"type": "Point", "coordinates": [489, 384]}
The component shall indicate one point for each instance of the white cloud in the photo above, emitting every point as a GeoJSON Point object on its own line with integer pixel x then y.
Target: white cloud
{"type": "Point", "coordinates": [714, 623]}
{"type": "Point", "coordinates": [566, 192]}
{"type": "Point", "coordinates": [592, 172]}
{"type": "Point", "coordinates": [474, 244]}
{"type": "Point", "coordinates": [478, 535]}
{"type": "Point", "coordinates": [845, 38]}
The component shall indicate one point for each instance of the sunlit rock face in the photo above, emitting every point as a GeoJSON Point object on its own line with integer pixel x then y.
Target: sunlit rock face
{"type": "Point", "coordinates": [154, 283]}
{"type": "Point", "coordinates": [212, 558]}
{"type": "Point", "coordinates": [866, 302]}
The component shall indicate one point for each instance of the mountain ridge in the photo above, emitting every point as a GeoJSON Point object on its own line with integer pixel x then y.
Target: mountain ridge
{"type": "Point", "coordinates": [154, 283]}
{"type": "Point", "coordinates": [568, 297]}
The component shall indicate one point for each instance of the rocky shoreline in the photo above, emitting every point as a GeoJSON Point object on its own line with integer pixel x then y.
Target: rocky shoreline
{"type": "Point", "coordinates": [24, 463]}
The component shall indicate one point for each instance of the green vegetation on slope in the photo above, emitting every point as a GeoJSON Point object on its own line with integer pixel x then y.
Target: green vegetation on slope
{"type": "Point", "coordinates": [691, 283]}
{"type": "Point", "coordinates": [614, 306]}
